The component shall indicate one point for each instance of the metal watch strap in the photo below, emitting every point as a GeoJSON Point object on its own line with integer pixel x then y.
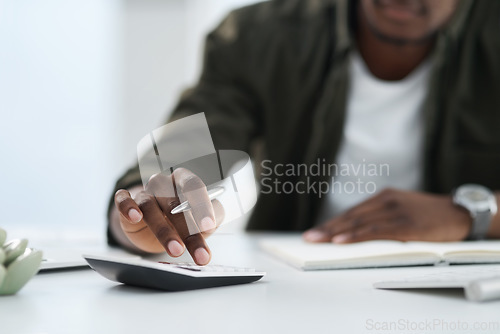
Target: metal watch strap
{"type": "Point", "coordinates": [480, 225]}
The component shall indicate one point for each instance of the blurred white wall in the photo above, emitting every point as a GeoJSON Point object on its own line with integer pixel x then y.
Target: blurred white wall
{"type": "Point", "coordinates": [58, 98]}
{"type": "Point", "coordinates": [80, 83]}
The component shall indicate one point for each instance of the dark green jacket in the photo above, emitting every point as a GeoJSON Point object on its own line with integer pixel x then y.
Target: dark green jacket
{"type": "Point", "coordinates": [277, 73]}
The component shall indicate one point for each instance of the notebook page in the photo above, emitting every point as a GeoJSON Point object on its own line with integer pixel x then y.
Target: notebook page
{"type": "Point", "coordinates": [487, 251]}
{"type": "Point", "coordinates": [379, 253]}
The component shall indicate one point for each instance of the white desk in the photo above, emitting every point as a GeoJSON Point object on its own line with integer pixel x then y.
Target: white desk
{"type": "Point", "coordinates": [285, 301]}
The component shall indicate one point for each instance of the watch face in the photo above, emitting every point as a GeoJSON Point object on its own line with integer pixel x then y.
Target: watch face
{"type": "Point", "coordinates": [474, 197]}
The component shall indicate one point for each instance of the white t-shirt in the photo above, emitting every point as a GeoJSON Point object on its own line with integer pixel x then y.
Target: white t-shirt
{"type": "Point", "coordinates": [383, 135]}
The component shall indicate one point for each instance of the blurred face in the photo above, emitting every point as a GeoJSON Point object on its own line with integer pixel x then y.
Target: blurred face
{"type": "Point", "coordinates": [406, 21]}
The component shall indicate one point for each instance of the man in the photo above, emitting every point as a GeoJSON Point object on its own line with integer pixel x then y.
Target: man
{"type": "Point", "coordinates": [412, 84]}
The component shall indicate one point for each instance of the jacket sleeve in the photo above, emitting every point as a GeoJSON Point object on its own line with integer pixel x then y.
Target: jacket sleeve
{"type": "Point", "coordinates": [224, 93]}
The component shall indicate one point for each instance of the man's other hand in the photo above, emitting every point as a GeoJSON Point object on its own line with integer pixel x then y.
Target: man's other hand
{"type": "Point", "coordinates": [397, 215]}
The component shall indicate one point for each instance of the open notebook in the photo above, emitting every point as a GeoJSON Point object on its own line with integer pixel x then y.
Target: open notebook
{"type": "Point", "coordinates": [380, 253]}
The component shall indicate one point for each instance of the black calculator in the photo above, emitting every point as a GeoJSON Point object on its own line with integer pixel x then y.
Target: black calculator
{"type": "Point", "coordinates": [170, 276]}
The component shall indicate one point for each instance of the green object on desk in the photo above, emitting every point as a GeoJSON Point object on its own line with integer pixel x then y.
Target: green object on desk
{"type": "Point", "coordinates": [2, 274]}
{"type": "Point", "coordinates": [13, 249]}
{"type": "Point", "coordinates": [20, 271]}
{"type": "Point", "coordinates": [18, 264]}
{"type": "Point", "coordinates": [3, 236]}
{"type": "Point", "coordinates": [2, 255]}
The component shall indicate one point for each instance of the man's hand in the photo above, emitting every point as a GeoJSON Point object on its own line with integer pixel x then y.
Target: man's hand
{"type": "Point", "coordinates": [397, 215]}
{"type": "Point", "coordinates": [148, 224]}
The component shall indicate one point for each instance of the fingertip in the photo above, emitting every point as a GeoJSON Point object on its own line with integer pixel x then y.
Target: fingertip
{"type": "Point", "coordinates": [314, 236]}
{"type": "Point", "coordinates": [207, 224]}
{"type": "Point", "coordinates": [175, 248]}
{"type": "Point", "coordinates": [119, 191]}
{"type": "Point", "coordinates": [134, 215]}
{"type": "Point", "coordinates": [341, 238]}
{"type": "Point", "coordinates": [201, 256]}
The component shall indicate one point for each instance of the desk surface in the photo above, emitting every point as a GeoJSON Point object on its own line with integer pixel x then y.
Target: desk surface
{"type": "Point", "coordinates": [285, 301]}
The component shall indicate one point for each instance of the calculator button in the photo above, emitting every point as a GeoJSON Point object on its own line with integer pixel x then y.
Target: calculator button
{"type": "Point", "coordinates": [218, 269]}
{"type": "Point", "coordinates": [189, 268]}
{"type": "Point", "coordinates": [209, 268]}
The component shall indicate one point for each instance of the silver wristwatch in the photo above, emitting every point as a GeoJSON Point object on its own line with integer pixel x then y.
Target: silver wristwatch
{"type": "Point", "coordinates": [481, 204]}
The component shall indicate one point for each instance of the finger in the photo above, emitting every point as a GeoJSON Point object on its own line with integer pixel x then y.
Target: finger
{"type": "Point", "coordinates": [170, 191]}
{"type": "Point", "coordinates": [127, 207]}
{"type": "Point", "coordinates": [162, 189]}
{"type": "Point", "coordinates": [326, 231]}
{"type": "Point", "coordinates": [153, 216]}
{"type": "Point", "coordinates": [219, 217]}
{"type": "Point", "coordinates": [195, 243]}
{"type": "Point", "coordinates": [192, 188]}
{"type": "Point", "coordinates": [378, 231]}
{"type": "Point", "coordinates": [340, 224]}
{"type": "Point", "coordinates": [367, 219]}
{"type": "Point", "coordinates": [322, 233]}
{"type": "Point", "coordinates": [142, 237]}
{"type": "Point", "coordinates": [188, 231]}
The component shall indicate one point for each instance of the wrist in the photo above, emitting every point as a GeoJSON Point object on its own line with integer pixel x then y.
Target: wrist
{"type": "Point", "coordinates": [494, 230]}
{"type": "Point", "coordinates": [462, 218]}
